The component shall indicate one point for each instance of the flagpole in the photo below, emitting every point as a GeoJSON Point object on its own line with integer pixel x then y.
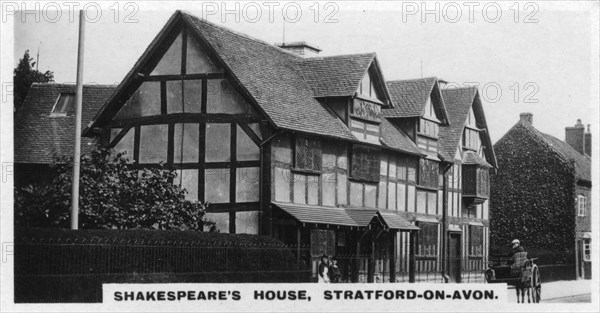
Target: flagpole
{"type": "Point", "coordinates": [78, 109]}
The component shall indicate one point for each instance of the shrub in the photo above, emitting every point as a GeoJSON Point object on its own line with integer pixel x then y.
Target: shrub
{"type": "Point", "coordinates": [114, 194]}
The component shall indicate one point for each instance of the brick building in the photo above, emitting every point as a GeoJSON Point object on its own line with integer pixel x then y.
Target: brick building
{"type": "Point", "coordinates": [542, 195]}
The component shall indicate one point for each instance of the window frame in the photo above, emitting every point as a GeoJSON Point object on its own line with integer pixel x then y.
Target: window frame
{"type": "Point", "coordinates": [581, 205]}
{"type": "Point", "coordinates": [373, 164]}
{"type": "Point", "coordinates": [315, 147]}
{"type": "Point", "coordinates": [467, 138]}
{"type": "Point", "coordinates": [472, 246]}
{"type": "Point", "coordinates": [421, 238]}
{"type": "Point", "coordinates": [428, 166]}
{"type": "Point", "coordinates": [587, 250]}
{"type": "Point", "coordinates": [65, 106]}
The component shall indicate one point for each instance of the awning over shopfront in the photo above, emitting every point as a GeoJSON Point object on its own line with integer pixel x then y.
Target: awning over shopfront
{"type": "Point", "coordinates": [395, 221]}
{"type": "Point", "coordinates": [427, 219]}
{"type": "Point", "coordinates": [317, 214]}
{"type": "Point", "coordinates": [361, 217]}
{"type": "Point", "coordinates": [454, 228]}
{"type": "Point", "coordinates": [312, 214]}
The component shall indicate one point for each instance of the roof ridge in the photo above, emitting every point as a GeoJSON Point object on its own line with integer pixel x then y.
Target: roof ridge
{"type": "Point", "coordinates": [540, 136]}
{"type": "Point", "coordinates": [460, 88]}
{"type": "Point", "coordinates": [74, 85]}
{"type": "Point", "coordinates": [239, 34]}
{"type": "Point", "coordinates": [373, 54]}
{"type": "Point", "coordinates": [411, 80]}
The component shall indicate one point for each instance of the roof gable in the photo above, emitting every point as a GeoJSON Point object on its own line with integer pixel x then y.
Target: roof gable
{"type": "Point", "coordinates": [341, 75]}
{"type": "Point", "coordinates": [411, 97]}
{"type": "Point", "coordinates": [459, 102]}
{"type": "Point", "coordinates": [335, 76]}
{"type": "Point", "coordinates": [268, 76]}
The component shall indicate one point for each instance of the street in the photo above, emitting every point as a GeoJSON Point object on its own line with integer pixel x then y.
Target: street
{"type": "Point", "coordinates": [566, 291]}
{"type": "Point", "coordinates": [585, 298]}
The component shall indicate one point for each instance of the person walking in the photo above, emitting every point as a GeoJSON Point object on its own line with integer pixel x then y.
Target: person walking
{"type": "Point", "coordinates": [323, 271]}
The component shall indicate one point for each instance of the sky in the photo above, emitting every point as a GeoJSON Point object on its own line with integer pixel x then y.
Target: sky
{"type": "Point", "coordinates": [535, 57]}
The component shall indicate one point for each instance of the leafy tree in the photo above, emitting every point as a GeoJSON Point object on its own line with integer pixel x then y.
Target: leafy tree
{"type": "Point", "coordinates": [24, 75]}
{"type": "Point", "coordinates": [113, 195]}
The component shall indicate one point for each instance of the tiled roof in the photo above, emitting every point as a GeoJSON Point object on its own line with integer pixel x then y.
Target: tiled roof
{"type": "Point", "coordinates": [394, 138]}
{"type": "Point", "coordinates": [335, 76]}
{"type": "Point", "coordinates": [458, 102]}
{"type": "Point", "coordinates": [409, 96]}
{"type": "Point", "coordinates": [273, 77]}
{"type": "Point", "coordinates": [38, 137]}
{"type": "Point", "coordinates": [583, 164]}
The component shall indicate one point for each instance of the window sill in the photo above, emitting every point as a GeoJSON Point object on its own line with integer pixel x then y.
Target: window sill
{"type": "Point", "coordinates": [428, 188]}
{"type": "Point", "coordinates": [426, 257]}
{"type": "Point", "coordinates": [304, 171]}
{"type": "Point", "coordinates": [365, 119]}
{"type": "Point", "coordinates": [368, 98]}
{"type": "Point", "coordinates": [363, 180]}
{"type": "Point", "coordinates": [427, 136]}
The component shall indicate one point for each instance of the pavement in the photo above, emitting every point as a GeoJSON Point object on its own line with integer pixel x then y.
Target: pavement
{"type": "Point", "coordinates": [560, 291]}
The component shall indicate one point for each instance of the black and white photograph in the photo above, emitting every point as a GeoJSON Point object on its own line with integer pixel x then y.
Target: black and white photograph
{"type": "Point", "coordinates": [333, 156]}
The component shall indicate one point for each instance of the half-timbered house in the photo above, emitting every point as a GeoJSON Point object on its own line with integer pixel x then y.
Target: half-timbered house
{"type": "Point", "coordinates": [317, 151]}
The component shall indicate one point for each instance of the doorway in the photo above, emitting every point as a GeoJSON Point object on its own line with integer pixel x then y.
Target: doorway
{"type": "Point", "coordinates": [454, 257]}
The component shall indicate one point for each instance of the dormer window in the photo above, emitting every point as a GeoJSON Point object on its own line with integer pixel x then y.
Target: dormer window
{"type": "Point", "coordinates": [471, 139]}
{"type": "Point", "coordinates": [471, 122]}
{"type": "Point", "coordinates": [367, 87]}
{"type": "Point", "coordinates": [64, 101]}
{"type": "Point", "coordinates": [364, 120]}
{"type": "Point", "coordinates": [428, 128]}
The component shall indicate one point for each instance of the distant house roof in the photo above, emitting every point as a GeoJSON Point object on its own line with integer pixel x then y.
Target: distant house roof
{"type": "Point", "coordinates": [458, 103]}
{"type": "Point", "coordinates": [583, 163]}
{"type": "Point", "coordinates": [40, 136]}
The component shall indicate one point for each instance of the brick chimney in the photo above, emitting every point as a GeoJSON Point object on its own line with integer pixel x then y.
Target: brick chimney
{"type": "Point", "coordinates": [575, 137]}
{"type": "Point", "coordinates": [300, 48]}
{"type": "Point", "coordinates": [527, 117]}
{"type": "Point", "coordinates": [588, 141]}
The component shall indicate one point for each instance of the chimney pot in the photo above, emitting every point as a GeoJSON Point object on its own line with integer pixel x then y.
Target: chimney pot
{"type": "Point", "coordinates": [575, 136]}
{"type": "Point", "coordinates": [301, 48]}
{"type": "Point", "coordinates": [527, 117]}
